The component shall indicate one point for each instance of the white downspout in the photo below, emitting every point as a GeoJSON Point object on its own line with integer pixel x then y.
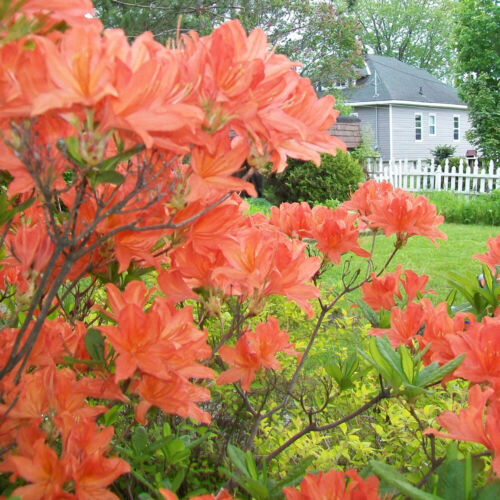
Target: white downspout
{"type": "Point", "coordinates": [390, 133]}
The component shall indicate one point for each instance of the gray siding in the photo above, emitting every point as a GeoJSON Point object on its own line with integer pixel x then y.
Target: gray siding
{"type": "Point", "coordinates": [376, 120]}
{"type": "Point", "coordinates": [403, 125]}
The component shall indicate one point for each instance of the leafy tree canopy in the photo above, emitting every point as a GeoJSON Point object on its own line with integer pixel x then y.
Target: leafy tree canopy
{"type": "Point", "coordinates": [416, 32]}
{"type": "Point", "coordinates": [478, 70]}
{"type": "Point", "coordinates": [321, 35]}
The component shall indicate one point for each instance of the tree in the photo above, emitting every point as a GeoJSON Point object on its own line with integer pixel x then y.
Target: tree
{"type": "Point", "coordinates": [478, 71]}
{"type": "Point", "coordinates": [416, 32]}
{"type": "Point", "coordinates": [319, 35]}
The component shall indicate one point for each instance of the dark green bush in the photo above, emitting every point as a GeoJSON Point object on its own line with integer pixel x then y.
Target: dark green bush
{"type": "Point", "coordinates": [481, 209]}
{"type": "Point", "coordinates": [335, 179]}
{"type": "Point", "coordinates": [453, 161]}
{"type": "Point", "coordinates": [443, 151]}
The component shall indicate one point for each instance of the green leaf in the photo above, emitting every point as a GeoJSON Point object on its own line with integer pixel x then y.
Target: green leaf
{"type": "Point", "coordinates": [238, 459]}
{"type": "Point", "coordinates": [94, 343]}
{"type": "Point", "coordinates": [110, 163]}
{"type": "Point", "coordinates": [251, 467]}
{"type": "Point", "coordinates": [140, 439]}
{"type": "Point", "coordinates": [490, 492]}
{"type": "Point", "coordinates": [109, 177]}
{"type": "Point", "coordinates": [396, 479]}
{"type": "Point", "coordinates": [111, 416]}
{"type": "Point", "coordinates": [176, 482]}
{"type": "Point", "coordinates": [433, 373]}
{"type": "Point", "coordinates": [7, 214]}
{"type": "Point", "coordinates": [255, 488]}
{"type": "Point", "coordinates": [450, 484]}
{"type": "Point", "coordinates": [407, 364]}
{"type": "Point", "coordinates": [73, 145]}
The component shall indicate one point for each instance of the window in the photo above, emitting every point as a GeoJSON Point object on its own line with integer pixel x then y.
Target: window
{"type": "Point", "coordinates": [456, 127]}
{"type": "Point", "coordinates": [418, 127]}
{"type": "Point", "coordinates": [341, 84]}
{"type": "Point", "coordinates": [432, 124]}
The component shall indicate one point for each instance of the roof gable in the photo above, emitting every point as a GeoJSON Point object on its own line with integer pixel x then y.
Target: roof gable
{"type": "Point", "coordinates": [393, 80]}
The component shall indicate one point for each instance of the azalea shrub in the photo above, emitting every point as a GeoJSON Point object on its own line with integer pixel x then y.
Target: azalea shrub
{"type": "Point", "coordinates": [157, 341]}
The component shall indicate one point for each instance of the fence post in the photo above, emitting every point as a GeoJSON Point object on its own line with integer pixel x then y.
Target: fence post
{"type": "Point", "coordinates": [437, 178]}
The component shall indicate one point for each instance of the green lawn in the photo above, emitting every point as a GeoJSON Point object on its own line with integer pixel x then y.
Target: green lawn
{"type": "Point", "coordinates": [420, 255]}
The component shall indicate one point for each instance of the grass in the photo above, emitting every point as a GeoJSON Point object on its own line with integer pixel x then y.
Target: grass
{"type": "Point", "coordinates": [420, 255]}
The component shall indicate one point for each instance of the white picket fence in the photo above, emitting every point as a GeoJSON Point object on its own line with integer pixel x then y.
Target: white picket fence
{"type": "Point", "coordinates": [423, 175]}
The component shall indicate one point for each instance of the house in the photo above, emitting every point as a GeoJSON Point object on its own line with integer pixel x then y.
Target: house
{"type": "Point", "coordinates": [408, 110]}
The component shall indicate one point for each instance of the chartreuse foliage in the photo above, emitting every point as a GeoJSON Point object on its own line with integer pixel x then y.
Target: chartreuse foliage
{"type": "Point", "coordinates": [158, 341]}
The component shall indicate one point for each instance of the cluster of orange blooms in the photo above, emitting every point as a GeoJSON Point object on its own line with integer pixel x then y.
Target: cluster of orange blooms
{"type": "Point", "coordinates": [199, 109]}
{"type": "Point", "coordinates": [445, 337]}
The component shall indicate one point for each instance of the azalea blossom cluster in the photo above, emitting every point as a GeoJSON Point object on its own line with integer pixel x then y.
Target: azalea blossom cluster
{"type": "Point", "coordinates": [418, 322]}
{"type": "Point", "coordinates": [119, 160]}
{"type": "Point", "coordinates": [108, 174]}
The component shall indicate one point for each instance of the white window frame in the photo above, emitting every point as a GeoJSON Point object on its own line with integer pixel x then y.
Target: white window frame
{"type": "Point", "coordinates": [432, 125]}
{"type": "Point", "coordinates": [417, 128]}
{"type": "Point", "coordinates": [456, 128]}
{"type": "Point", "coordinates": [341, 84]}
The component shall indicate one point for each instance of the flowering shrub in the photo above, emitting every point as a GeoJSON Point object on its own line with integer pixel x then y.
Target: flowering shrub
{"type": "Point", "coordinates": [134, 289]}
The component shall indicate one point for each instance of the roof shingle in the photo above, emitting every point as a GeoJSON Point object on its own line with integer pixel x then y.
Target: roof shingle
{"type": "Point", "coordinates": [397, 81]}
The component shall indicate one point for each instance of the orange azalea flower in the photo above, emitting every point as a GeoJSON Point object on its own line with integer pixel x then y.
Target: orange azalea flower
{"type": "Point", "coordinates": [79, 68]}
{"type": "Point", "coordinates": [404, 325]}
{"type": "Point", "coordinates": [439, 328]}
{"type": "Point", "coordinates": [137, 343]}
{"type": "Point", "coordinates": [291, 272]}
{"type": "Point", "coordinates": [335, 485]}
{"type": "Point", "coordinates": [481, 345]}
{"type": "Point", "coordinates": [66, 398]}
{"type": "Point", "coordinates": [213, 228]}
{"type": "Point", "coordinates": [414, 284]}
{"type": "Point", "coordinates": [49, 391]}
{"type": "Point", "coordinates": [469, 424]}
{"type": "Point", "coordinates": [58, 339]}
{"type": "Point", "coordinates": [492, 256]}
{"type": "Point", "coordinates": [173, 395]}
{"type": "Point", "coordinates": [294, 219]}
{"type": "Point", "coordinates": [335, 233]}
{"type": "Point", "coordinates": [243, 359]}
{"type": "Point", "coordinates": [362, 200]}
{"type": "Point", "coordinates": [44, 470]}
{"type": "Point", "coordinates": [252, 351]}
{"type": "Point", "coordinates": [251, 259]}
{"type": "Point", "coordinates": [31, 247]}
{"type": "Point", "coordinates": [73, 12]}
{"type": "Point", "coordinates": [262, 262]}
{"type": "Point", "coordinates": [22, 182]}
{"type": "Point", "coordinates": [172, 284]}
{"type": "Point", "coordinates": [102, 386]}
{"type": "Point", "coordinates": [214, 171]}
{"type": "Point", "coordinates": [160, 342]}
{"type": "Point", "coordinates": [135, 293]}
{"type": "Point", "coordinates": [197, 268]}
{"type": "Point", "coordinates": [186, 342]}
{"type": "Point", "coordinates": [85, 464]}
{"type": "Point", "coordinates": [160, 111]}
{"type": "Point", "coordinates": [379, 293]}
{"type": "Point", "coordinates": [399, 212]}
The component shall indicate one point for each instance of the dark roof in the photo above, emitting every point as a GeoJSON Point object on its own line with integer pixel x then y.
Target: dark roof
{"type": "Point", "coordinates": [348, 129]}
{"type": "Point", "coordinates": [398, 81]}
